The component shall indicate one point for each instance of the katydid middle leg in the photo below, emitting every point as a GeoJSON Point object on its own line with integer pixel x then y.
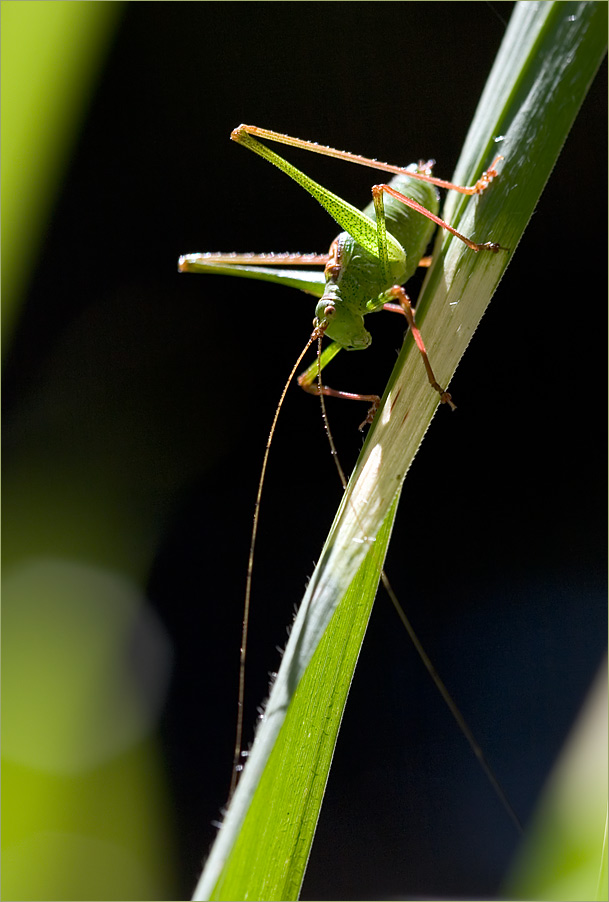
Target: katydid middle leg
{"type": "Point", "coordinates": [404, 306]}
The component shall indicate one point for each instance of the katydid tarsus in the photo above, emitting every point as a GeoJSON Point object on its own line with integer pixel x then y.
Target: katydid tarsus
{"type": "Point", "coordinates": [364, 270]}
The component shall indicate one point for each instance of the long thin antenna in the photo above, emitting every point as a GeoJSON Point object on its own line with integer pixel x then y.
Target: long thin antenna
{"type": "Point", "coordinates": [440, 686]}
{"type": "Point", "coordinates": [326, 422]}
{"type": "Point", "coordinates": [237, 766]}
{"type": "Point", "coordinates": [452, 705]}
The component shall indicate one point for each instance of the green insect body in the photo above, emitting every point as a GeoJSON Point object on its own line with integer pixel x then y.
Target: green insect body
{"type": "Point", "coordinates": [378, 251]}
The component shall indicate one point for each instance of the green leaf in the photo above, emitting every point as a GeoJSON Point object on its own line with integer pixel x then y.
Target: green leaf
{"type": "Point", "coordinates": [300, 761]}
{"type": "Point", "coordinates": [565, 853]}
{"type": "Point", "coordinates": [546, 62]}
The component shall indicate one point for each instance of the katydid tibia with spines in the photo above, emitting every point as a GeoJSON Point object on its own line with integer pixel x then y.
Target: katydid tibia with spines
{"type": "Point", "coordinates": [379, 250]}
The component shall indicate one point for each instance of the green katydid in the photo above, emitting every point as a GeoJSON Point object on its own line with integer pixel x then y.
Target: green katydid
{"type": "Point", "coordinates": [367, 263]}
{"type": "Point", "coordinates": [364, 271]}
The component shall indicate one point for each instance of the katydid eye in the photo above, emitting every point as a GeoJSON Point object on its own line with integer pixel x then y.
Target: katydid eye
{"type": "Point", "coordinates": [329, 312]}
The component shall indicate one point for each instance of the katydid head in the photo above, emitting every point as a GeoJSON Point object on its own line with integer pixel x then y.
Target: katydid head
{"type": "Point", "coordinates": [341, 324]}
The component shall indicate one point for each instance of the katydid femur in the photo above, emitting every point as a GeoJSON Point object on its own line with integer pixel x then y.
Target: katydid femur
{"type": "Point", "coordinates": [367, 263]}
{"type": "Point", "coordinates": [364, 271]}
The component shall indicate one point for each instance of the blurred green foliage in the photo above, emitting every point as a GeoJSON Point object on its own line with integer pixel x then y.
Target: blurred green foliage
{"type": "Point", "coordinates": [564, 856]}
{"type": "Point", "coordinates": [84, 809]}
{"type": "Point", "coordinates": [51, 54]}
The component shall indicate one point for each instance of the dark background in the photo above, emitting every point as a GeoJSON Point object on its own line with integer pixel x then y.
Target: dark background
{"type": "Point", "coordinates": [180, 374]}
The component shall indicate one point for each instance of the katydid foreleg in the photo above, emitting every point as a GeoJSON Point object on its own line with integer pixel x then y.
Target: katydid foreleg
{"type": "Point", "coordinates": [316, 388]}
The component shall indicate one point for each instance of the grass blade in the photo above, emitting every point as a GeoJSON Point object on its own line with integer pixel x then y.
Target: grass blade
{"type": "Point", "coordinates": [547, 60]}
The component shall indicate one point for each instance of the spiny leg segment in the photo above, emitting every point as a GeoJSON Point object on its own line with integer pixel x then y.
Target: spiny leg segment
{"type": "Point", "coordinates": [424, 170]}
{"type": "Point", "coordinates": [281, 259]}
{"type": "Point", "coordinates": [307, 380]}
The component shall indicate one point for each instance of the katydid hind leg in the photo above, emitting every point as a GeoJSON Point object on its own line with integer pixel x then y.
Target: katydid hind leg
{"type": "Point", "coordinates": [423, 174]}
{"type": "Point", "coordinates": [348, 217]}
